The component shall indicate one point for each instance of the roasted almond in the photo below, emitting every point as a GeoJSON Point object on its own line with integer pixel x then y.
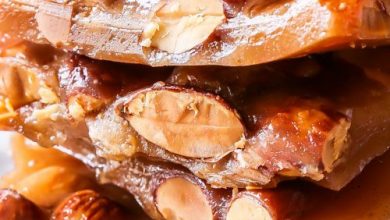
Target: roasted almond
{"type": "Point", "coordinates": [185, 122]}
{"type": "Point", "coordinates": [87, 205]}
{"type": "Point", "coordinates": [180, 25]}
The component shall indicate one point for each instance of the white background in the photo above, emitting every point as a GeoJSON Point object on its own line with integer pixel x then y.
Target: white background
{"type": "Point", "coordinates": [5, 152]}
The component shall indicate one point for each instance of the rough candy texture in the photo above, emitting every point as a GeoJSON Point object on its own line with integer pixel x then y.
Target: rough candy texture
{"type": "Point", "coordinates": [214, 32]}
{"type": "Point", "coordinates": [295, 126]}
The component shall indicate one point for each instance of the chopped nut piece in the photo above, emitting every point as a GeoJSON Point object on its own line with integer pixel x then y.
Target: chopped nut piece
{"type": "Point", "coordinates": [181, 25]}
{"type": "Point", "coordinates": [49, 112]}
{"type": "Point", "coordinates": [82, 104]}
{"type": "Point", "coordinates": [148, 34]}
{"type": "Point", "coordinates": [117, 145]}
{"type": "Point", "coordinates": [178, 198]}
{"type": "Point", "coordinates": [76, 110]}
{"type": "Point", "coordinates": [47, 95]}
{"type": "Point", "coordinates": [185, 122]}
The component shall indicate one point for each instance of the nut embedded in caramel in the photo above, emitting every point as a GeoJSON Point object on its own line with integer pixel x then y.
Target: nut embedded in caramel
{"type": "Point", "coordinates": [178, 198]}
{"type": "Point", "coordinates": [185, 122]}
{"type": "Point", "coordinates": [249, 209]}
{"type": "Point", "coordinates": [180, 25]}
{"type": "Point", "coordinates": [281, 203]}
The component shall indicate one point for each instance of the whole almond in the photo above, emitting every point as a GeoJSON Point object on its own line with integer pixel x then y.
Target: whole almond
{"type": "Point", "coordinates": [87, 205]}
{"type": "Point", "coordinates": [14, 206]}
{"type": "Point", "coordinates": [185, 122]}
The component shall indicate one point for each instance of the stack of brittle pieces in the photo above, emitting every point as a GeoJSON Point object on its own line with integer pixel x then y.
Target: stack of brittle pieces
{"type": "Point", "coordinates": [201, 110]}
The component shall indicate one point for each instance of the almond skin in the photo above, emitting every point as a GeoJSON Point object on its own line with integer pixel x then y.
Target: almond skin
{"type": "Point", "coordinates": [87, 205]}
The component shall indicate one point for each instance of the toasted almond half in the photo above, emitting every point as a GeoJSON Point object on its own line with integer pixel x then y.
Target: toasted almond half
{"type": "Point", "coordinates": [185, 122]}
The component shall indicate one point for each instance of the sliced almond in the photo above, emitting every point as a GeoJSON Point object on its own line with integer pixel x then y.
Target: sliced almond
{"type": "Point", "coordinates": [178, 26]}
{"type": "Point", "coordinates": [248, 208]}
{"type": "Point", "coordinates": [48, 96]}
{"type": "Point", "coordinates": [185, 122]}
{"type": "Point", "coordinates": [178, 198]}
